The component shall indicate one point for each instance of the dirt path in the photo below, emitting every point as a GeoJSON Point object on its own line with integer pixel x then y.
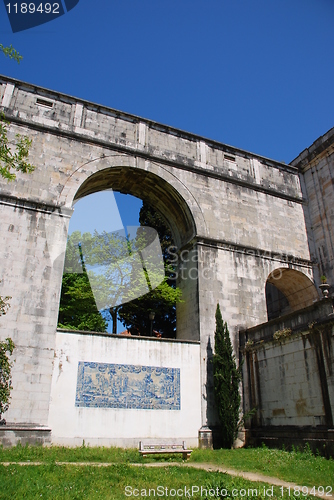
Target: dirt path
{"type": "Point", "coordinates": [251, 476]}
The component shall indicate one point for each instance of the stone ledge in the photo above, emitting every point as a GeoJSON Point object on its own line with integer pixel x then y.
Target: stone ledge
{"type": "Point", "coordinates": [127, 337]}
{"type": "Point", "coordinates": [318, 439]}
{"type": "Point", "coordinates": [24, 434]}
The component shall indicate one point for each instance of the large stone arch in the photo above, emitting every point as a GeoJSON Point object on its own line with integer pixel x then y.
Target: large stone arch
{"type": "Point", "coordinates": [146, 180]}
{"type": "Point", "coordinates": [170, 197]}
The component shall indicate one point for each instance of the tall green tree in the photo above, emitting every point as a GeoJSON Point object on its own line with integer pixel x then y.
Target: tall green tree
{"type": "Point", "coordinates": [77, 309]}
{"type": "Point", "coordinates": [227, 378]}
{"type": "Point", "coordinates": [101, 272]}
{"type": "Point", "coordinates": [115, 269]}
{"type": "Point", "coordinates": [163, 299]}
{"type": "Point", "coordinates": [125, 275]}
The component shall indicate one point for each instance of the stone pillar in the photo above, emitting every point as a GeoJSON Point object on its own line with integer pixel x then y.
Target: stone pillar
{"type": "Point", "coordinates": [187, 279]}
{"type": "Point", "coordinates": [34, 237]}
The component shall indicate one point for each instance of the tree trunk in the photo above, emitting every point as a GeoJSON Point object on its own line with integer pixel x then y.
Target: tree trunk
{"type": "Point", "coordinates": [113, 313]}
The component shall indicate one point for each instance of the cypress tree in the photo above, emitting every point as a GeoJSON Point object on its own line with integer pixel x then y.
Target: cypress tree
{"type": "Point", "coordinates": [226, 378]}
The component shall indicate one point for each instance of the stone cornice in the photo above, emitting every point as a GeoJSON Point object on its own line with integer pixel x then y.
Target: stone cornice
{"type": "Point", "coordinates": [35, 206]}
{"type": "Point", "coordinates": [153, 158]}
{"type": "Point", "coordinates": [254, 251]}
{"type": "Point", "coordinates": [151, 123]}
{"type": "Point", "coordinates": [322, 146]}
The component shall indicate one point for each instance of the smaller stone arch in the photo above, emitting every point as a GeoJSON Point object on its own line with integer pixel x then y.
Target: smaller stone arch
{"type": "Point", "coordinates": [288, 290]}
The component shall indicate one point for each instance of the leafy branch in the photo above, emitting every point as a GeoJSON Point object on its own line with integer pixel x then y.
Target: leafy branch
{"type": "Point", "coordinates": [11, 53]}
{"type": "Point", "coordinates": [6, 346]}
{"type": "Point", "coordinates": [4, 305]}
{"type": "Point", "coordinates": [13, 160]}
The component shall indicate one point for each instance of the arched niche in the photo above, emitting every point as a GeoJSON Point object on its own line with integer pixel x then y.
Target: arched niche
{"type": "Point", "coordinates": [288, 290]}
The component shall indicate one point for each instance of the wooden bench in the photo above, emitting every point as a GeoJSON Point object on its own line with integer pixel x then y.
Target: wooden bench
{"type": "Point", "coordinates": [156, 449]}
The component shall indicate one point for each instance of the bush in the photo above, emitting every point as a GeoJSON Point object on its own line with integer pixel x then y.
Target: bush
{"type": "Point", "coordinates": [6, 346]}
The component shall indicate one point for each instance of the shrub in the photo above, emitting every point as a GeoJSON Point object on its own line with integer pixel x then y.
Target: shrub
{"type": "Point", "coordinates": [6, 346]}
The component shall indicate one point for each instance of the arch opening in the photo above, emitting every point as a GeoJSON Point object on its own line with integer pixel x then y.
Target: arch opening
{"type": "Point", "coordinates": [152, 190]}
{"type": "Point", "coordinates": [288, 290]}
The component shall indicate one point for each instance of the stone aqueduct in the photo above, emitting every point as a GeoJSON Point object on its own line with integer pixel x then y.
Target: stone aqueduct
{"type": "Point", "coordinates": [238, 219]}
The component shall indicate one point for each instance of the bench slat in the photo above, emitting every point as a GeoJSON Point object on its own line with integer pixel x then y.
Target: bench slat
{"type": "Point", "coordinates": [155, 449]}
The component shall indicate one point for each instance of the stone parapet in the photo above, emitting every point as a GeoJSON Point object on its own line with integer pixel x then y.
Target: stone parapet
{"type": "Point", "coordinates": [24, 434]}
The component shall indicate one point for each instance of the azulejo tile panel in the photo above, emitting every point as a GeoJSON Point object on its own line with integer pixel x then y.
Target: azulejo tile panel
{"type": "Point", "coordinates": [104, 385]}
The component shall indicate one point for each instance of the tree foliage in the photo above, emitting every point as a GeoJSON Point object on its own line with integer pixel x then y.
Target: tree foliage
{"type": "Point", "coordinates": [13, 160]}
{"type": "Point", "coordinates": [6, 346]}
{"type": "Point", "coordinates": [117, 267]}
{"type": "Point", "coordinates": [227, 378]}
{"type": "Point", "coordinates": [77, 309]}
{"type": "Point", "coordinates": [163, 299]}
{"type": "Point", "coordinates": [11, 53]}
{"type": "Point", "coordinates": [4, 305]}
{"type": "Point", "coordinates": [116, 274]}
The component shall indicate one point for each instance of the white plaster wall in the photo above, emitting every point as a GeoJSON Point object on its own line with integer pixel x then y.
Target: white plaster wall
{"type": "Point", "coordinates": [123, 427]}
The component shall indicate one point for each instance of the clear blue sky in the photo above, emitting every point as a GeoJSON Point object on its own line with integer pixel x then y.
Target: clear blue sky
{"type": "Point", "coordinates": [255, 74]}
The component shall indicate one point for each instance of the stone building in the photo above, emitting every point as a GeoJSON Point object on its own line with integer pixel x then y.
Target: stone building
{"type": "Point", "coordinates": [247, 228]}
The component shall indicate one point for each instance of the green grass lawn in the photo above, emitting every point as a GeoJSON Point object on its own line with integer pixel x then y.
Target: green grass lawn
{"type": "Point", "coordinates": [299, 467]}
{"type": "Point", "coordinates": [120, 480]}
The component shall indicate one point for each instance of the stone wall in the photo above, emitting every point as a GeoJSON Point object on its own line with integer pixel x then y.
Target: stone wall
{"type": "Point", "coordinates": [113, 390]}
{"type": "Point", "coordinates": [288, 376]}
{"type": "Point", "coordinates": [240, 215]}
{"type": "Point", "coordinates": [316, 165]}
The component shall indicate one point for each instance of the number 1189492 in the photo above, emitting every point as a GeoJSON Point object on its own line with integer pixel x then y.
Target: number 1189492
{"type": "Point", "coordinates": [33, 8]}
{"type": "Point", "coordinates": [304, 491]}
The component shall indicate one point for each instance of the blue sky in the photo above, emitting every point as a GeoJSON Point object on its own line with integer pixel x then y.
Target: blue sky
{"type": "Point", "coordinates": [255, 74]}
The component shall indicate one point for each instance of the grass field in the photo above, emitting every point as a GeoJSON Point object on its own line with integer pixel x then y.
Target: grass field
{"type": "Point", "coordinates": [117, 482]}
{"type": "Point", "coordinates": [300, 467]}
{"type": "Point", "coordinates": [121, 480]}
